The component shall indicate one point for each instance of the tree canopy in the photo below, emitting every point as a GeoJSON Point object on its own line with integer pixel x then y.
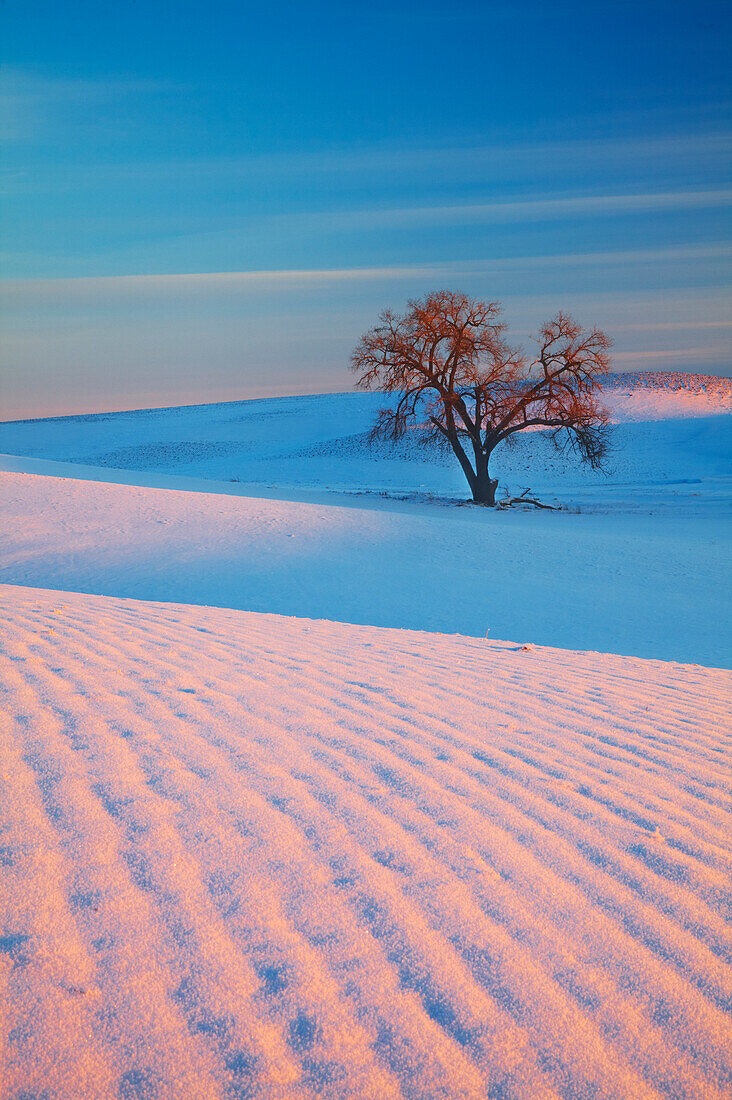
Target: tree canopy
{"type": "Point", "coordinates": [451, 370]}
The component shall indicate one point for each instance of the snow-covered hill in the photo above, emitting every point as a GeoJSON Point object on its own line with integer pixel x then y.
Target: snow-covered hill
{"type": "Point", "coordinates": [325, 527]}
{"type": "Point", "coordinates": [645, 585]}
{"type": "Point", "coordinates": [272, 848]}
{"type": "Point", "coordinates": [672, 434]}
{"type": "Point", "coordinates": [245, 855]}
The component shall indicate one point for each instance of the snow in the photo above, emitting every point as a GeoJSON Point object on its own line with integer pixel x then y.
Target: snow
{"type": "Point", "coordinates": [656, 396]}
{"type": "Point", "coordinates": [671, 432]}
{"type": "Point", "coordinates": [252, 855]}
{"type": "Point", "coordinates": [587, 581]}
{"type": "Point", "coordinates": [322, 526]}
{"type": "Point", "coordinates": [323, 836]}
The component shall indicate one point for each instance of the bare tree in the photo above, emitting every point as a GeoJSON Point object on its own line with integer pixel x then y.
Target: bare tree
{"type": "Point", "coordinates": [454, 376]}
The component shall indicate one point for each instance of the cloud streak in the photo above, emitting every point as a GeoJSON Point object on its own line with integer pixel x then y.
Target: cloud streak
{"type": "Point", "coordinates": [526, 210]}
{"type": "Point", "coordinates": [194, 282]}
{"type": "Point", "coordinates": [475, 162]}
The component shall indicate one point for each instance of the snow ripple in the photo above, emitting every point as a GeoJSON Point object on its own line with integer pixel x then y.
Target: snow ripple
{"type": "Point", "coordinates": [245, 855]}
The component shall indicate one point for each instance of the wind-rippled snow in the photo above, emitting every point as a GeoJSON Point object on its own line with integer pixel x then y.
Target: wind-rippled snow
{"type": "Point", "coordinates": [246, 855]}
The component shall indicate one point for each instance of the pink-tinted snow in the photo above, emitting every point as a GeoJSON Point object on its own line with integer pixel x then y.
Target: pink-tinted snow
{"type": "Point", "coordinates": [249, 855]}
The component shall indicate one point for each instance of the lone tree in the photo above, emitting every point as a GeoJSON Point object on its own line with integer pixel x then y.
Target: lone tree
{"type": "Point", "coordinates": [453, 375]}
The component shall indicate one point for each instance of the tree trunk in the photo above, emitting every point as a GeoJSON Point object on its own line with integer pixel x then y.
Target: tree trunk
{"type": "Point", "coordinates": [464, 461]}
{"type": "Point", "coordinates": [484, 486]}
{"type": "Point", "coordinates": [484, 489]}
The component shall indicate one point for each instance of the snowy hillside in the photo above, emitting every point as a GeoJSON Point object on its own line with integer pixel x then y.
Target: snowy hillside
{"type": "Point", "coordinates": [671, 430]}
{"type": "Point", "coordinates": [644, 585]}
{"type": "Point", "coordinates": [252, 856]}
{"type": "Point", "coordinates": [322, 783]}
{"type": "Point", "coordinates": [323, 526]}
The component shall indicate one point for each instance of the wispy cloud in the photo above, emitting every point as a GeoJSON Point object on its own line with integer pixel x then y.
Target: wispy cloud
{"type": "Point", "coordinates": [526, 210]}
{"type": "Point", "coordinates": [110, 285]}
{"type": "Point", "coordinates": [673, 326]}
{"type": "Point", "coordinates": [694, 355]}
{"type": "Point", "coordinates": [30, 101]}
{"type": "Point", "coordinates": [194, 282]}
{"type": "Point", "coordinates": [27, 97]}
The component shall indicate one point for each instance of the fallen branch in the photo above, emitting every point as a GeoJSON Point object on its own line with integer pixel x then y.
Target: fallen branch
{"type": "Point", "coordinates": [508, 501]}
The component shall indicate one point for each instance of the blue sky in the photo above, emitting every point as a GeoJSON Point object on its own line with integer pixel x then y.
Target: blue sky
{"type": "Point", "coordinates": [212, 202]}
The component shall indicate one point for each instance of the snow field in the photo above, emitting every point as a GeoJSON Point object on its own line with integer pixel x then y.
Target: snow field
{"type": "Point", "coordinates": [652, 586]}
{"type": "Point", "coordinates": [671, 448]}
{"type": "Point", "coordinates": [248, 855]}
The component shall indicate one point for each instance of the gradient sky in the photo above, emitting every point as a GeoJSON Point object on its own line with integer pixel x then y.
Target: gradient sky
{"type": "Point", "coordinates": [206, 202]}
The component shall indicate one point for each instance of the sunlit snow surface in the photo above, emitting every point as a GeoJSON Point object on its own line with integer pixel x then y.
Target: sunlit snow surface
{"type": "Point", "coordinates": [246, 854]}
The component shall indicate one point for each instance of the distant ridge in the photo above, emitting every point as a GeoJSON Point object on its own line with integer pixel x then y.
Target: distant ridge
{"type": "Point", "coordinates": [671, 380]}
{"type": "Point", "coordinates": [655, 380]}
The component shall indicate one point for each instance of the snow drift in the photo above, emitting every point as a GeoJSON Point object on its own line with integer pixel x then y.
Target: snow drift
{"type": "Point", "coordinates": [246, 855]}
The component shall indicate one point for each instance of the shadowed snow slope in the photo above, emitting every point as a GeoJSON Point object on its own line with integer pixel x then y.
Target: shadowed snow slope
{"type": "Point", "coordinates": [671, 447]}
{"type": "Point", "coordinates": [247, 855]}
{"type": "Point", "coordinates": [650, 586]}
